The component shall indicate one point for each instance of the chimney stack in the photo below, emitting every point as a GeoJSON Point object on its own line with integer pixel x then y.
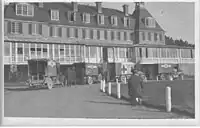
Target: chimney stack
{"type": "Point", "coordinates": [125, 9]}
{"type": "Point", "coordinates": [99, 7]}
{"type": "Point", "coordinates": [40, 4]}
{"type": "Point", "coordinates": [75, 6]}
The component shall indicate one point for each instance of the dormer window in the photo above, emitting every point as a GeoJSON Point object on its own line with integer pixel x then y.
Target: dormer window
{"type": "Point", "coordinates": [150, 22]}
{"type": "Point", "coordinates": [100, 19]}
{"type": "Point", "coordinates": [126, 21]}
{"type": "Point", "coordinates": [86, 17]}
{"type": "Point", "coordinates": [114, 20]}
{"type": "Point", "coordinates": [55, 15]}
{"type": "Point", "coordinates": [71, 16]}
{"type": "Point", "coordinates": [24, 9]}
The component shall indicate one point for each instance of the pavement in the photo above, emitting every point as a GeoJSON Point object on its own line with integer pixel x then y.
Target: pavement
{"type": "Point", "coordinates": [81, 101]}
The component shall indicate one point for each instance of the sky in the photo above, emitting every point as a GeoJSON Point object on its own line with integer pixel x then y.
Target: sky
{"type": "Point", "coordinates": [176, 18]}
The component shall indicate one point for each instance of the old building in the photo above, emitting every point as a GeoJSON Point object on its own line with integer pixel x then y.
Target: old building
{"type": "Point", "coordinates": [70, 32]}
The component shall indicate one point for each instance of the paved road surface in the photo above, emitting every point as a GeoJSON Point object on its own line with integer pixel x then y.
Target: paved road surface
{"type": "Point", "coordinates": [75, 102]}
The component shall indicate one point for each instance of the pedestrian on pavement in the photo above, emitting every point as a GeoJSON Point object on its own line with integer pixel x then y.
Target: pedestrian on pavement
{"type": "Point", "coordinates": [135, 88]}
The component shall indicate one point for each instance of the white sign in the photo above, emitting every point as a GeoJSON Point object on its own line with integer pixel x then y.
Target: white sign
{"type": "Point", "coordinates": [51, 63]}
{"type": "Point", "coordinates": [165, 66]}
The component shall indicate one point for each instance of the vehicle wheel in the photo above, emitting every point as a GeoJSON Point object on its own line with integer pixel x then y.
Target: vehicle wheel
{"type": "Point", "coordinates": [90, 80]}
{"type": "Point", "coordinates": [49, 83]}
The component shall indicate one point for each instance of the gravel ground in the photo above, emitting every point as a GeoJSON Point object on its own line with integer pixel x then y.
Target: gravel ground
{"type": "Point", "coordinates": [75, 102]}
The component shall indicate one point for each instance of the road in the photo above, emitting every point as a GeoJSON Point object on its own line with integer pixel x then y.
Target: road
{"type": "Point", "coordinates": [75, 102]}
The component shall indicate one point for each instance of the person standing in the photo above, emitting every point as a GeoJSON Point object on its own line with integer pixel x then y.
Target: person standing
{"type": "Point", "coordinates": [134, 87]}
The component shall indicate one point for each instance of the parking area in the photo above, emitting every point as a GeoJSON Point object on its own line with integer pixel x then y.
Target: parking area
{"type": "Point", "coordinates": [75, 102]}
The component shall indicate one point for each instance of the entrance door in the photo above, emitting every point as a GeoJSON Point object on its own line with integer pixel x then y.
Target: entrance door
{"type": "Point", "coordinates": [105, 54]}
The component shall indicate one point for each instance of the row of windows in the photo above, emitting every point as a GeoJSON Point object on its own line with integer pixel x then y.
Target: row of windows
{"type": "Point", "coordinates": [36, 29]}
{"type": "Point", "coordinates": [57, 50]}
{"type": "Point", "coordinates": [165, 53]}
{"type": "Point", "coordinates": [150, 36]}
{"type": "Point", "coordinates": [28, 10]}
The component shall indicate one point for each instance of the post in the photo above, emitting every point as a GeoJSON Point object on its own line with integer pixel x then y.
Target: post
{"type": "Point", "coordinates": [168, 98]}
{"type": "Point", "coordinates": [101, 86]}
{"type": "Point", "coordinates": [104, 85]}
{"type": "Point", "coordinates": [125, 80]}
{"type": "Point", "coordinates": [117, 80]}
{"type": "Point", "coordinates": [109, 88]}
{"type": "Point", "coordinates": [118, 91]}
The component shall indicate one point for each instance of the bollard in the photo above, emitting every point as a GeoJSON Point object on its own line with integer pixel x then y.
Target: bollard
{"type": "Point", "coordinates": [104, 85]}
{"type": "Point", "coordinates": [101, 86]}
{"type": "Point", "coordinates": [117, 81]}
{"type": "Point", "coordinates": [157, 78]}
{"type": "Point", "coordinates": [109, 88]}
{"type": "Point", "coordinates": [168, 99]}
{"type": "Point", "coordinates": [118, 91]}
{"type": "Point", "coordinates": [125, 80]}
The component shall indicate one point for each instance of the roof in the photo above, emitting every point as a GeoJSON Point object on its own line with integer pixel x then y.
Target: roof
{"type": "Point", "coordinates": [161, 46]}
{"type": "Point", "coordinates": [141, 13]}
{"type": "Point", "coordinates": [43, 15]}
{"type": "Point", "coordinates": [40, 59]}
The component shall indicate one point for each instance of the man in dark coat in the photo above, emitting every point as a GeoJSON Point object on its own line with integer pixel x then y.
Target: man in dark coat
{"type": "Point", "coordinates": [134, 87]}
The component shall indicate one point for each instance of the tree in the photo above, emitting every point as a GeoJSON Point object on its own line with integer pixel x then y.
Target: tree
{"type": "Point", "coordinates": [180, 42]}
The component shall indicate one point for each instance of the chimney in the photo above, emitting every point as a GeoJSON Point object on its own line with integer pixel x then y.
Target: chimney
{"type": "Point", "coordinates": [125, 9]}
{"type": "Point", "coordinates": [75, 6]}
{"type": "Point", "coordinates": [40, 4]}
{"type": "Point", "coordinates": [99, 7]}
{"type": "Point", "coordinates": [139, 5]}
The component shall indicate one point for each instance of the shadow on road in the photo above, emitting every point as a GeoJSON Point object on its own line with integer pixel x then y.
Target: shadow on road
{"type": "Point", "coordinates": [24, 89]}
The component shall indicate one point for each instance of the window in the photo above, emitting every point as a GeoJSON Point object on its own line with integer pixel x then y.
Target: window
{"type": "Point", "coordinates": [72, 50]}
{"type": "Point", "coordinates": [16, 27]}
{"type": "Point", "coordinates": [55, 15]}
{"type": "Point", "coordinates": [86, 17]}
{"type": "Point", "coordinates": [67, 50]}
{"type": "Point", "coordinates": [78, 50]}
{"type": "Point", "coordinates": [44, 50]}
{"type": "Point", "coordinates": [50, 50]}
{"type": "Point", "coordinates": [110, 52]}
{"type": "Point", "coordinates": [98, 34]}
{"type": "Point", "coordinates": [59, 32]}
{"type": "Point", "coordinates": [126, 21]}
{"type": "Point", "coordinates": [125, 35]}
{"type": "Point", "coordinates": [161, 37]}
{"type": "Point", "coordinates": [35, 29]}
{"type": "Point", "coordinates": [20, 49]}
{"type": "Point", "coordinates": [150, 22]}
{"type": "Point", "coordinates": [71, 16]}
{"type": "Point", "coordinates": [93, 52]}
{"type": "Point", "coordinates": [55, 31]}
{"type": "Point", "coordinates": [6, 48]}
{"type": "Point", "coordinates": [24, 10]}
{"type": "Point", "coordinates": [76, 32]}
{"type": "Point", "coordinates": [140, 52]}
{"type": "Point", "coordinates": [119, 36]}
{"type": "Point", "coordinates": [112, 35]}
{"type": "Point", "coordinates": [61, 50]}
{"type": "Point", "coordinates": [84, 33]}
{"type": "Point", "coordinates": [87, 51]}
{"type": "Point", "coordinates": [143, 35]}
{"type": "Point", "coordinates": [122, 52]}
{"type": "Point", "coordinates": [149, 36]}
{"type": "Point", "coordinates": [100, 19]}
{"type": "Point", "coordinates": [155, 37]}
{"type": "Point", "coordinates": [105, 34]}
{"type": "Point", "coordinates": [114, 20]}
{"type": "Point", "coordinates": [56, 50]}
{"type": "Point", "coordinates": [91, 34]}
